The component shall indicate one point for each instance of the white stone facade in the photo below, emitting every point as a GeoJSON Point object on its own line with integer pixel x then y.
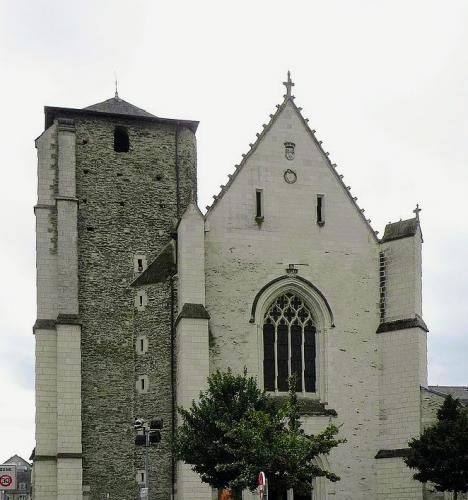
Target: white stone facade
{"type": "Point", "coordinates": [57, 466]}
{"type": "Point", "coordinates": [371, 379]}
{"type": "Point", "coordinates": [364, 295]}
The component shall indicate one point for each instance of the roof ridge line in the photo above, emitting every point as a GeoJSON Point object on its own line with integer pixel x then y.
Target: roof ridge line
{"type": "Point", "coordinates": [333, 168]}
{"type": "Point", "coordinates": [245, 156]}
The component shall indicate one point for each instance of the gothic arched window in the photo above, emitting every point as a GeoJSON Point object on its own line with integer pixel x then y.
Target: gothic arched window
{"type": "Point", "coordinates": [289, 344]}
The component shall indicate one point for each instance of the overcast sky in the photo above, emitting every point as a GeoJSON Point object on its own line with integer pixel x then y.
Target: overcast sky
{"type": "Point", "coordinates": [384, 83]}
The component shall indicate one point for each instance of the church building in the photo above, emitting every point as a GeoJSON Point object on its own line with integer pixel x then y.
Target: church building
{"type": "Point", "coordinates": [140, 296]}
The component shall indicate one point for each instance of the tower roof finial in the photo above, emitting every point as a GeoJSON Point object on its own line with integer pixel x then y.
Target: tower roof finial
{"type": "Point", "coordinates": [416, 211]}
{"type": "Point", "coordinates": [116, 87]}
{"type": "Point", "coordinates": [289, 85]}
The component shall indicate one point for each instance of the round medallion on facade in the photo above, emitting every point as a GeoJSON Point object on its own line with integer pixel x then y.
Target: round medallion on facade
{"type": "Point", "coordinates": [290, 176]}
{"type": "Point", "coordinates": [289, 152]}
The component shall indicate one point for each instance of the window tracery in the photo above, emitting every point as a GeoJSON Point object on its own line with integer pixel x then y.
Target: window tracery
{"type": "Point", "coordinates": [289, 344]}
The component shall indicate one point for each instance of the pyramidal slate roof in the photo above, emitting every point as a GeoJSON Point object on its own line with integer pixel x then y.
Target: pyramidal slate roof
{"type": "Point", "coordinates": [289, 98]}
{"type": "Point", "coordinates": [118, 106]}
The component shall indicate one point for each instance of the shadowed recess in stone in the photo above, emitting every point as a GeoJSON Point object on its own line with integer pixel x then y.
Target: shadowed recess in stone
{"type": "Point", "coordinates": [163, 266]}
{"type": "Point", "coordinates": [309, 407]}
{"type": "Point", "coordinates": [401, 229]}
{"type": "Point", "coordinates": [403, 324]}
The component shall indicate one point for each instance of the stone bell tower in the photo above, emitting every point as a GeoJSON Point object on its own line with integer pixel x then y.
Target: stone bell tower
{"type": "Point", "coordinates": [112, 181]}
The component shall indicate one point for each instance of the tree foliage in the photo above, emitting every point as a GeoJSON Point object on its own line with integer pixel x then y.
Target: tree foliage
{"type": "Point", "coordinates": [235, 431]}
{"type": "Point", "coordinates": [440, 454]}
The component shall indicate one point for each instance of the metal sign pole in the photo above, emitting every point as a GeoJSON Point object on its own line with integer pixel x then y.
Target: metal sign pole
{"type": "Point", "coordinates": [147, 435]}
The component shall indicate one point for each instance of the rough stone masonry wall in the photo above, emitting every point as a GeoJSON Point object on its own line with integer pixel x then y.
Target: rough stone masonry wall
{"type": "Point", "coordinates": [127, 205]}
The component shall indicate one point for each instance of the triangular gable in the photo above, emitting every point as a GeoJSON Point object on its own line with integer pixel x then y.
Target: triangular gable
{"type": "Point", "coordinates": [288, 98]}
{"type": "Point", "coordinates": [17, 460]}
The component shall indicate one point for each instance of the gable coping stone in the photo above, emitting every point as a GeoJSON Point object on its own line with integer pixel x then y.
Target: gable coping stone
{"type": "Point", "coordinates": [325, 155]}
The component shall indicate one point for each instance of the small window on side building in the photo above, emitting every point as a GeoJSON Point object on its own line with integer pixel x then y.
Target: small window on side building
{"type": "Point", "coordinates": [141, 300]}
{"type": "Point", "coordinates": [142, 384]}
{"type": "Point", "coordinates": [139, 263]}
{"type": "Point", "coordinates": [121, 140]}
{"type": "Point", "coordinates": [141, 344]}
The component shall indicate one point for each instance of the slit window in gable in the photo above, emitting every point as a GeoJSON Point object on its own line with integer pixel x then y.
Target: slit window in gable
{"type": "Point", "coordinates": [259, 205]}
{"type": "Point", "coordinates": [320, 209]}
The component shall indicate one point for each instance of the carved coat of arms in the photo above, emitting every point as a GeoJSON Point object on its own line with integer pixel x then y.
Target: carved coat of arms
{"type": "Point", "coordinates": [289, 150]}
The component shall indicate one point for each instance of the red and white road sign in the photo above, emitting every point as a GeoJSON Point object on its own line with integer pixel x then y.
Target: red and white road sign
{"type": "Point", "coordinates": [7, 477]}
{"type": "Point", "coordinates": [261, 484]}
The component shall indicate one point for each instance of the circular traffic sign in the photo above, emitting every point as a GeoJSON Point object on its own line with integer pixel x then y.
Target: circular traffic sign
{"type": "Point", "coordinates": [261, 484]}
{"type": "Point", "coordinates": [6, 480]}
{"type": "Point", "coordinates": [261, 479]}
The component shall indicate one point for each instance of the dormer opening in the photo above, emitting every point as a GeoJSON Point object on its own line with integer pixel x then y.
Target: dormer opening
{"type": "Point", "coordinates": [121, 140]}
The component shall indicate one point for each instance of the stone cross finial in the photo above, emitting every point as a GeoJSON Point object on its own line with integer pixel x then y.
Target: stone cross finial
{"type": "Point", "coordinates": [416, 211]}
{"type": "Point", "coordinates": [289, 85]}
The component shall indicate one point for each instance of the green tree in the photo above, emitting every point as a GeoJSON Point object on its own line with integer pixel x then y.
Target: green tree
{"type": "Point", "coordinates": [234, 431]}
{"type": "Point", "coordinates": [440, 454]}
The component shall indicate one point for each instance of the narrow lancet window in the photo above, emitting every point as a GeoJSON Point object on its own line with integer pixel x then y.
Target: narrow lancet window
{"type": "Point", "coordinates": [320, 210]}
{"type": "Point", "coordinates": [259, 205]}
{"type": "Point", "coordinates": [121, 140]}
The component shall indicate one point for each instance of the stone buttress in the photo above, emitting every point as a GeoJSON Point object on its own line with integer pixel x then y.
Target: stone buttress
{"type": "Point", "coordinates": [57, 458]}
{"type": "Point", "coordinates": [403, 351]}
{"type": "Point", "coordinates": [192, 333]}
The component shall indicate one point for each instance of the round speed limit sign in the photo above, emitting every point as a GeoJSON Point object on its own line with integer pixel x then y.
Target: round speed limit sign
{"type": "Point", "coordinates": [6, 480]}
